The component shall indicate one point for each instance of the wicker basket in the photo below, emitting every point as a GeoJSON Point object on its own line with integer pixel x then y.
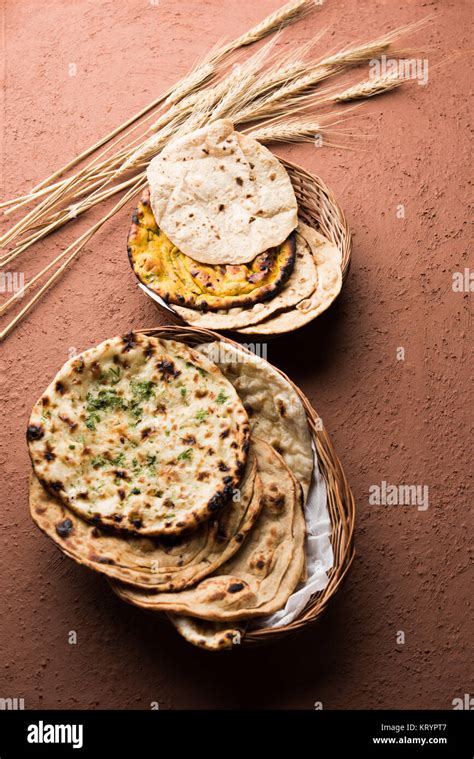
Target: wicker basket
{"type": "Point", "coordinates": [340, 500]}
{"type": "Point", "coordinates": [317, 207]}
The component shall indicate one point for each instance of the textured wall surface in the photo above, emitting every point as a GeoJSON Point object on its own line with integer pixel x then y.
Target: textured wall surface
{"type": "Point", "coordinates": [399, 421]}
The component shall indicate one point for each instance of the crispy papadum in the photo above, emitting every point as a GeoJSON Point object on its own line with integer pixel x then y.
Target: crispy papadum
{"type": "Point", "coordinates": [168, 563]}
{"type": "Point", "coordinates": [141, 434]}
{"type": "Point", "coordinates": [260, 578]}
{"type": "Point", "coordinates": [220, 196]}
{"type": "Point", "coordinates": [181, 280]}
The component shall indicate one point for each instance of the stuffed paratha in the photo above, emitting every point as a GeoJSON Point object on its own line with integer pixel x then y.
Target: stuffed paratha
{"type": "Point", "coordinates": [181, 280]}
{"type": "Point", "coordinates": [299, 285]}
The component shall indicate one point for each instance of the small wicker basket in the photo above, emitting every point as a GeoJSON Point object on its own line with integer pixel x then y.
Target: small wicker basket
{"type": "Point", "coordinates": [341, 505]}
{"type": "Point", "coordinates": [317, 207]}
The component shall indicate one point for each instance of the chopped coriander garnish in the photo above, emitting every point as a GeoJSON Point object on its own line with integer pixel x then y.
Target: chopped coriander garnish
{"type": "Point", "coordinates": [92, 420]}
{"type": "Point", "coordinates": [185, 455]}
{"type": "Point", "coordinates": [151, 463]}
{"type": "Point", "coordinates": [119, 460]}
{"type": "Point", "coordinates": [104, 399]}
{"type": "Point", "coordinates": [98, 461]}
{"type": "Point", "coordinates": [202, 372]}
{"type": "Point", "coordinates": [143, 390]}
{"type": "Point", "coordinates": [183, 392]}
{"type": "Point", "coordinates": [222, 397]}
{"type": "Point", "coordinates": [135, 491]}
{"type": "Point", "coordinates": [115, 375]}
{"type": "Point", "coordinates": [202, 414]}
{"type": "Point", "coordinates": [72, 447]}
{"type": "Point", "coordinates": [136, 410]}
{"type": "Point", "coordinates": [167, 433]}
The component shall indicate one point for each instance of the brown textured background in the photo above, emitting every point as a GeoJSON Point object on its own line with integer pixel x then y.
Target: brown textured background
{"type": "Point", "coordinates": [403, 422]}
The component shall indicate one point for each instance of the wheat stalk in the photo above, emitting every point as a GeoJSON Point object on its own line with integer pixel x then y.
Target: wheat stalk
{"type": "Point", "coordinates": [370, 87]}
{"type": "Point", "coordinates": [175, 95]}
{"type": "Point", "coordinates": [73, 250]}
{"type": "Point", "coordinates": [278, 20]}
{"type": "Point", "coordinates": [246, 93]}
{"type": "Point", "coordinates": [284, 16]}
{"type": "Point", "coordinates": [179, 92]}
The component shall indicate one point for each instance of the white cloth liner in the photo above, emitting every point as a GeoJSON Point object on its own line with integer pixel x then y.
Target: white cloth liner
{"type": "Point", "coordinates": [319, 553]}
{"type": "Point", "coordinates": [156, 297]}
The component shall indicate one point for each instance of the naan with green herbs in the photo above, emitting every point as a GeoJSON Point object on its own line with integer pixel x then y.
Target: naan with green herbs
{"type": "Point", "coordinates": [141, 434]}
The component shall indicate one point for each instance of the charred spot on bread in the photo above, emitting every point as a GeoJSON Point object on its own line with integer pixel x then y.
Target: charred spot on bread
{"type": "Point", "coordinates": [34, 432]}
{"type": "Point", "coordinates": [235, 587]}
{"type": "Point", "coordinates": [64, 528]}
{"type": "Point", "coordinates": [128, 341]}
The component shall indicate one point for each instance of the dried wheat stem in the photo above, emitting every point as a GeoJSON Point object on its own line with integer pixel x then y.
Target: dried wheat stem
{"type": "Point", "coordinates": [93, 168]}
{"type": "Point", "coordinates": [355, 54]}
{"type": "Point", "coordinates": [193, 81]}
{"type": "Point", "coordinates": [184, 116]}
{"type": "Point", "coordinates": [61, 218]}
{"type": "Point", "coordinates": [284, 16]}
{"type": "Point", "coordinates": [86, 185]}
{"type": "Point", "coordinates": [73, 188]}
{"type": "Point", "coordinates": [80, 242]}
{"type": "Point", "coordinates": [302, 128]}
{"type": "Point", "coordinates": [326, 67]}
{"type": "Point", "coordinates": [188, 84]}
{"type": "Point", "coordinates": [39, 213]}
{"type": "Point", "coordinates": [370, 87]}
{"type": "Point", "coordinates": [281, 18]}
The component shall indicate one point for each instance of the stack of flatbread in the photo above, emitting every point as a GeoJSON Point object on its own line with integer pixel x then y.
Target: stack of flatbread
{"type": "Point", "coordinates": [216, 236]}
{"type": "Point", "coordinates": [181, 475]}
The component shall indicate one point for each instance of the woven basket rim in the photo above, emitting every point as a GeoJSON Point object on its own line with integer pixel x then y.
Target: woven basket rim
{"type": "Point", "coordinates": [330, 220]}
{"type": "Point", "coordinates": [346, 246]}
{"type": "Point", "coordinates": [341, 504]}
